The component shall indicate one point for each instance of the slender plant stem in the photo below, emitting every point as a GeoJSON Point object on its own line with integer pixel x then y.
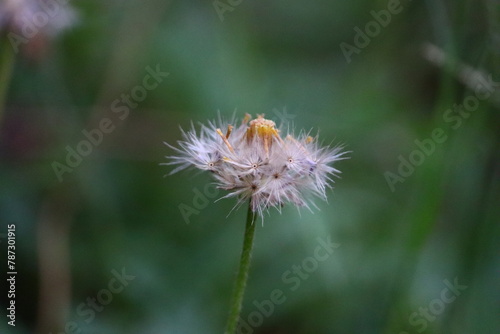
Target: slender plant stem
{"type": "Point", "coordinates": [6, 66]}
{"type": "Point", "coordinates": [241, 279]}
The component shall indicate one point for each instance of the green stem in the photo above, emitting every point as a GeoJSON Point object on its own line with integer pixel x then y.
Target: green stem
{"type": "Point", "coordinates": [6, 66]}
{"type": "Point", "coordinates": [241, 279]}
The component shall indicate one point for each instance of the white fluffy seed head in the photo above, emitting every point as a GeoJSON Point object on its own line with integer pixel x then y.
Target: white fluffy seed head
{"type": "Point", "coordinates": [253, 162]}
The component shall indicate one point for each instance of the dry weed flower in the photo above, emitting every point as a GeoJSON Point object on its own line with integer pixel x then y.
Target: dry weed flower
{"type": "Point", "coordinates": [253, 162]}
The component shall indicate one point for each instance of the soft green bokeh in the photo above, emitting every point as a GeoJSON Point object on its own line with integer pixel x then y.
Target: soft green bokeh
{"type": "Point", "coordinates": [117, 210]}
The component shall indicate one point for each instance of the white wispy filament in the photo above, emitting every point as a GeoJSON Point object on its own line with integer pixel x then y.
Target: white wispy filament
{"type": "Point", "coordinates": [253, 162]}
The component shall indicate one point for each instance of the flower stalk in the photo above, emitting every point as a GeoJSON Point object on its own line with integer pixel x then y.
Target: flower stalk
{"type": "Point", "coordinates": [6, 67]}
{"type": "Point", "coordinates": [241, 279]}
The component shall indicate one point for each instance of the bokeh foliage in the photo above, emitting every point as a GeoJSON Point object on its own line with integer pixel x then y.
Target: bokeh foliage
{"type": "Point", "coordinates": [117, 210]}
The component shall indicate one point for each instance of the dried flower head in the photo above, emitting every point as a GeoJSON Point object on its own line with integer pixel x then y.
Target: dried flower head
{"type": "Point", "coordinates": [35, 21]}
{"type": "Point", "coordinates": [253, 162]}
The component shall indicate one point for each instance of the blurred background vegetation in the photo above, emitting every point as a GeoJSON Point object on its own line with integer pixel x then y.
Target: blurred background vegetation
{"type": "Point", "coordinates": [116, 211]}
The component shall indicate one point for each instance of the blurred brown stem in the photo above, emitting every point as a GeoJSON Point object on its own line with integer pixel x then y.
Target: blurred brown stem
{"type": "Point", "coordinates": [6, 66]}
{"type": "Point", "coordinates": [54, 263]}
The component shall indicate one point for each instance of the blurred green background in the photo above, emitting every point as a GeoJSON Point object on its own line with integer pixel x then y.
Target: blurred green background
{"type": "Point", "coordinates": [401, 244]}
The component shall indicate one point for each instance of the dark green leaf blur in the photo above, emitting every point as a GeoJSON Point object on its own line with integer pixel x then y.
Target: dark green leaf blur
{"type": "Point", "coordinates": [104, 242]}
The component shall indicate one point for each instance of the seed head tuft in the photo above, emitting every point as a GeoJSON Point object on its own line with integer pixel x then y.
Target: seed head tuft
{"type": "Point", "coordinates": [253, 162]}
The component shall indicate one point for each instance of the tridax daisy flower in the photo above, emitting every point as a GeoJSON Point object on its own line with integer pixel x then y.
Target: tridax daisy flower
{"type": "Point", "coordinates": [25, 20]}
{"type": "Point", "coordinates": [254, 162]}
